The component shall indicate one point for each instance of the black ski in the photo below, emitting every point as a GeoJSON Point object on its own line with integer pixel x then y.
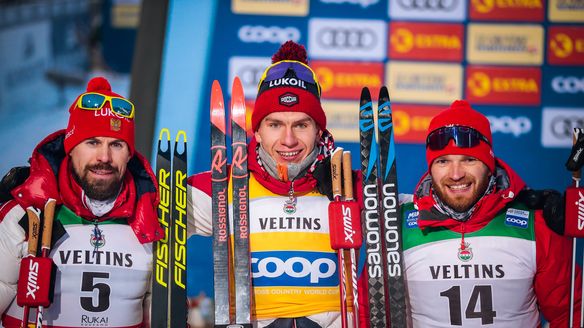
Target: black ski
{"type": "Point", "coordinates": [178, 241]}
{"type": "Point", "coordinates": [370, 216]}
{"type": "Point", "coordinates": [160, 249]}
{"type": "Point", "coordinates": [220, 213]}
{"type": "Point", "coordinates": [240, 187]}
{"type": "Point", "coordinates": [392, 243]}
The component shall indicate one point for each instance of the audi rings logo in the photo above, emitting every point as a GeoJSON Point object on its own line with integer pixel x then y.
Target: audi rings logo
{"type": "Point", "coordinates": [249, 70]}
{"type": "Point", "coordinates": [250, 75]}
{"type": "Point", "coordinates": [568, 84]}
{"type": "Point", "coordinates": [562, 127]}
{"type": "Point", "coordinates": [271, 34]}
{"type": "Point", "coordinates": [347, 38]}
{"type": "Point", "coordinates": [432, 5]}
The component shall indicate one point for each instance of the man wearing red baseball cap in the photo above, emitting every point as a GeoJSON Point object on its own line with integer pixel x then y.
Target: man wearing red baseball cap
{"type": "Point", "coordinates": [474, 254]}
{"type": "Point", "coordinates": [104, 224]}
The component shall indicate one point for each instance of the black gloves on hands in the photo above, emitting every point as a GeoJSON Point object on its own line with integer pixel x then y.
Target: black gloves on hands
{"type": "Point", "coordinates": [551, 202]}
{"type": "Point", "coordinates": [15, 177]}
{"type": "Point", "coordinates": [322, 174]}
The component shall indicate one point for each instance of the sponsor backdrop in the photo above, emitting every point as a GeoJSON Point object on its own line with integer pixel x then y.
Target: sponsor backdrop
{"type": "Point", "coordinates": [521, 63]}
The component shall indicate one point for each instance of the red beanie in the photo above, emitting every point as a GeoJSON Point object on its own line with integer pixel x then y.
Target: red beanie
{"type": "Point", "coordinates": [461, 114]}
{"type": "Point", "coordinates": [289, 85]}
{"type": "Point", "coordinates": [84, 124]}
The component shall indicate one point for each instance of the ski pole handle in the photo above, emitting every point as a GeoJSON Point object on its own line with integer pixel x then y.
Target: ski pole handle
{"type": "Point", "coordinates": [347, 175]}
{"type": "Point", "coordinates": [336, 161]}
{"type": "Point", "coordinates": [48, 218]}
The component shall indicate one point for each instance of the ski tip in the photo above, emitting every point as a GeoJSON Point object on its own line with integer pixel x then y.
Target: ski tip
{"type": "Point", "coordinates": [237, 83]}
{"type": "Point", "coordinates": [180, 134]}
{"type": "Point", "coordinates": [365, 93]}
{"type": "Point", "coordinates": [383, 94]}
{"type": "Point", "coordinates": [164, 131]}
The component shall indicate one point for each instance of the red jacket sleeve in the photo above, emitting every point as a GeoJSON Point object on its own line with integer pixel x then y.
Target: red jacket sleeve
{"type": "Point", "coordinates": [553, 275]}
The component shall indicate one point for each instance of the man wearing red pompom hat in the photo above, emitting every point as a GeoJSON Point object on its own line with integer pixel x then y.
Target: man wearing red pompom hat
{"type": "Point", "coordinates": [474, 253]}
{"type": "Point", "coordinates": [294, 270]}
{"type": "Point", "coordinates": [105, 221]}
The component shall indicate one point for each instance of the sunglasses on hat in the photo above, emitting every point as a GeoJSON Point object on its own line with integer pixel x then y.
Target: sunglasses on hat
{"type": "Point", "coordinates": [96, 101]}
{"type": "Point", "coordinates": [463, 136]}
{"type": "Point", "coordinates": [278, 70]}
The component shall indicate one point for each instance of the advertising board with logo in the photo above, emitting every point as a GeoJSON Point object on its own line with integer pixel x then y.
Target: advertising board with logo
{"type": "Point", "coordinates": [425, 41]}
{"type": "Point", "coordinates": [566, 11]}
{"type": "Point", "coordinates": [271, 7]}
{"type": "Point", "coordinates": [424, 82]}
{"type": "Point", "coordinates": [565, 45]}
{"type": "Point", "coordinates": [558, 125]}
{"type": "Point", "coordinates": [503, 86]}
{"type": "Point", "coordinates": [347, 39]}
{"type": "Point", "coordinates": [505, 44]}
{"type": "Point", "coordinates": [563, 86]}
{"type": "Point", "coordinates": [428, 10]}
{"type": "Point", "coordinates": [344, 80]}
{"type": "Point", "coordinates": [489, 10]}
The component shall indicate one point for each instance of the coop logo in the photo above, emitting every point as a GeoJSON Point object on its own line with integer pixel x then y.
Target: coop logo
{"type": "Point", "coordinates": [283, 268]}
{"type": "Point", "coordinates": [568, 84]}
{"type": "Point", "coordinates": [504, 86]}
{"type": "Point", "coordinates": [271, 34]}
{"type": "Point", "coordinates": [362, 3]}
{"type": "Point", "coordinates": [531, 10]}
{"type": "Point", "coordinates": [249, 70]}
{"type": "Point", "coordinates": [433, 10]}
{"type": "Point", "coordinates": [343, 80]}
{"type": "Point", "coordinates": [558, 126]}
{"type": "Point", "coordinates": [508, 125]}
{"type": "Point", "coordinates": [426, 41]}
{"type": "Point", "coordinates": [517, 218]}
{"type": "Point", "coordinates": [347, 39]}
{"type": "Point", "coordinates": [566, 45]}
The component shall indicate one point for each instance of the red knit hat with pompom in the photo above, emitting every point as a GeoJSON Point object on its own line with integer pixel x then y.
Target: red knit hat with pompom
{"type": "Point", "coordinates": [461, 114]}
{"type": "Point", "coordinates": [289, 85]}
{"type": "Point", "coordinates": [103, 122]}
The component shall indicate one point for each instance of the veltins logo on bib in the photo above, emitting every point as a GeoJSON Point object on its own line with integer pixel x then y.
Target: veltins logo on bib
{"type": "Point", "coordinates": [517, 218]}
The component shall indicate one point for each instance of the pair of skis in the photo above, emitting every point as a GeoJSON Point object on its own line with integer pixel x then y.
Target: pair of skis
{"type": "Point", "coordinates": [381, 217]}
{"type": "Point", "coordinates": [223, 256]}
{"type": "Point", "coordinates": [170, 253]}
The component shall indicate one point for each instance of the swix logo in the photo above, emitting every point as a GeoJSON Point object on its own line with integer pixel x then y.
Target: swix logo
{"type": "Point", "coordinates": [580, 204]}
{"type": "Point", "coordinates": [32, 280]}
{"type": "Point", "coordinates": [348, 224]}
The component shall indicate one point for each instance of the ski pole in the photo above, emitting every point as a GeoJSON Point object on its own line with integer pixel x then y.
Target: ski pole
{"type": "Point", "coordinates": [336, 160]}
{"type": "Point", "coordinates": [33, 241]}
{"type": "Point", "coordinates": [348, 191]}
{"type": "Point", "coordinates": [48, 216]}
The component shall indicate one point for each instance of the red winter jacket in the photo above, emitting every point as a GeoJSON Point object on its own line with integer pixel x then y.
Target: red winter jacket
{"type": "Point", "coordinates": [50, 178]}
{"type": "Point", "coordinates": [551, 282]}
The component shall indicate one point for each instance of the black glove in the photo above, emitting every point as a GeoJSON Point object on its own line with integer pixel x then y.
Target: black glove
{"type": "Point", "coordinates": [322, 174]}
{"type": "Point", "coordinates": [551, 202]}
{"type": "Point", "coordinates": [576, 159]}
{"type": "Point", "coordinates": [15, 177]}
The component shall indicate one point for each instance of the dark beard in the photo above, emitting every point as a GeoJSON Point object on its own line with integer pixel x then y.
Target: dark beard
{"type": "Point", "coordinates": [459, 205]}
{"type": "Point", "coordinates": [99, 190]}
